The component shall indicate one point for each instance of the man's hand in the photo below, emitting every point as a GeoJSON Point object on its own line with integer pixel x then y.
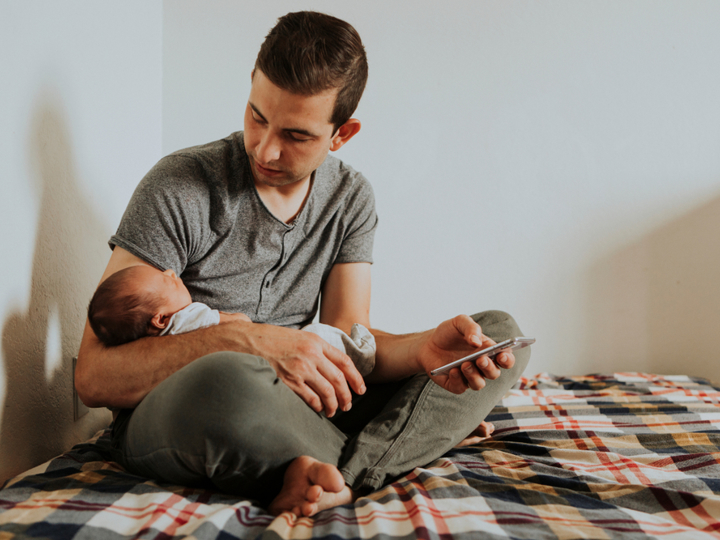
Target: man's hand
{"type": "Point", "coordinates": [226, 317]}
{"type": "Point", "coordinates": [316, 371]}
{"type": "Point", "coordinates": [451, 341]}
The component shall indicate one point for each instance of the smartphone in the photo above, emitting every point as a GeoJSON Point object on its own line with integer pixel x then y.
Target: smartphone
{"type": "Point", "coordinates": [512, 343]}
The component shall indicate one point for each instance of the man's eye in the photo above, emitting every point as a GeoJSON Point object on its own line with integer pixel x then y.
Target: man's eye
{"type": "Point", "coordinates": [297, 137]}
{"type": "Point", "coordinates": [257, 118]}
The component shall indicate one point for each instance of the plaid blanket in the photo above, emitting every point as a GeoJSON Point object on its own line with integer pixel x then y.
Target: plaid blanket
{"type": "Point", "coordinates": [626, 455]}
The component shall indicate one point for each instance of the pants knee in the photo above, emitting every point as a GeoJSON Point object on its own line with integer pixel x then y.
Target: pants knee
{"type": "Point", "coordinates": [214, 395]}
{"type": "Point", "coordinates": [497, 323]}
{"type": "Point", "coordinates": [219, 377]}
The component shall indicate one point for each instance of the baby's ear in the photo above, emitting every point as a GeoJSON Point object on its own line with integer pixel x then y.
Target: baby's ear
{"type": "Point", "coordinates": [160, 320]}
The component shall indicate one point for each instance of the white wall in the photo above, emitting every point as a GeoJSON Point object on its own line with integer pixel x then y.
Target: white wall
{"type": "Point", "coordinates": [80, 123]}
{"type": "Point", "coordinates": [558, 160]}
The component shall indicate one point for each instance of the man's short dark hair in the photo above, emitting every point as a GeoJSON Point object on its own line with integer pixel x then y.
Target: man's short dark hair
{"type": "Point", "coordinates": [308, 52]}
{"type": "Point", "coordinates": [120, 313]}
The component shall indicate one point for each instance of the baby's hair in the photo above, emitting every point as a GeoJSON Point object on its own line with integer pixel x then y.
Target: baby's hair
{"type": "Point", "coordinates": [119, 312]}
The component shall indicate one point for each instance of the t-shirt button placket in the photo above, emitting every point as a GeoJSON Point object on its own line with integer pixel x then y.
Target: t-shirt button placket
{"type": "Point", "coordinates": [264, 298]}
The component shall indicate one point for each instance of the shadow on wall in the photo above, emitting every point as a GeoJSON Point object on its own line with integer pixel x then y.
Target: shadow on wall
{"type": "Point", "coordinates": [655, 305]}
{"type": "Point", "coordinates": [37, 418]}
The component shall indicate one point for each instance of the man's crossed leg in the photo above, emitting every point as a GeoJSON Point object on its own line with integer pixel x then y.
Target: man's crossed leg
{"type": "Point", "coordinates": [227, 421]}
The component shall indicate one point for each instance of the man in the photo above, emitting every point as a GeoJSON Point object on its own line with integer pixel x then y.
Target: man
{"type": "Point", "coordinates": [265, 223]}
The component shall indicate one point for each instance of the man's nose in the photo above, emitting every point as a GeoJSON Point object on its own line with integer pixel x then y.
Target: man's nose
{"type": "Point", "coordinates": [268, 149]}
{"type": "Point", "coordinates": [170, 272]}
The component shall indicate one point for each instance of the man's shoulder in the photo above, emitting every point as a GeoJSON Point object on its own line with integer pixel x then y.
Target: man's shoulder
{"type": "Point", "coordinates": [342, 191]}
{"type": "Point", "coordinates": [214, 149]}
{"type": "Point", "coordinates": [220, 164]}
{"type": "Point", "coordinates": [336, 175]}
{"type": "Point", "coordinates": [221, 156]}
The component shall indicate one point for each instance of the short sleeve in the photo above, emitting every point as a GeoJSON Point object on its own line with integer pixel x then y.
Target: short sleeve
{"type": "Point", "coordinates": [163, 220]}
{"type": "Point", "coordinates": [362, 220]}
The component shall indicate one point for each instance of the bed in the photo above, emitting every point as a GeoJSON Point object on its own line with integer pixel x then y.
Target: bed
{"type": "Point", "coordinates": [627, 455]}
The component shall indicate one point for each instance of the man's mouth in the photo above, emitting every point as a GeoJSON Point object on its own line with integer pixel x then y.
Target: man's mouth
{"type": "Point", "coordinates": [267, 171]}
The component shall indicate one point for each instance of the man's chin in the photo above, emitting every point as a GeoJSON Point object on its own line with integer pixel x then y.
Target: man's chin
{"type": "Point", "coordinates": [274, 180]}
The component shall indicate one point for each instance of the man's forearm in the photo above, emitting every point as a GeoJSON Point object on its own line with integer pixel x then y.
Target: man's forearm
{"type": "Point", "coordinates": [397, 355]}
{"type": "Point", "coordinates": [122, 376]}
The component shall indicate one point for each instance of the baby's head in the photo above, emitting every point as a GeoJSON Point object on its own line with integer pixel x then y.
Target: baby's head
{"type": "Point", "coordinates": [135, 302]}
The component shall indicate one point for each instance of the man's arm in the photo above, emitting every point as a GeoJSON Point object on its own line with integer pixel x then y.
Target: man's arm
{"type": "Point", "coordinates": [405, 355]}
{"type": "Point", "coordinates": [345, 297]}
{"type": "Point", "coordinates": [122, 376]}
{"type": "Point", "coordinates": [346, 300]}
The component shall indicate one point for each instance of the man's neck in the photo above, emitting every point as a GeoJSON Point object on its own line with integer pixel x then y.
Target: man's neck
{"type": "Point", "coordinates": [285, 202]}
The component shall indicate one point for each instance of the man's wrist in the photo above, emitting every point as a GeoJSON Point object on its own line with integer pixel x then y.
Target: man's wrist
{"type": "Point", "coordinates": [400, 353]}
{"type": "Point", "coordinates": [418, 344]}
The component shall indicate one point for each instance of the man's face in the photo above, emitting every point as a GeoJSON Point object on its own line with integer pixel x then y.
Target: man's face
{"type": "Point", "coordinates": [287, 136]}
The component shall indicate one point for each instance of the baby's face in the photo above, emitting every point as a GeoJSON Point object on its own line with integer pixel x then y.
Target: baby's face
{"type": "Point", "coordinates": [167, 286]}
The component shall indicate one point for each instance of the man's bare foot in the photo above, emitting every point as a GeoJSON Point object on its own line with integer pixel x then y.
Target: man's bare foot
{"type": "Point", "coordinates": [309, 487]}
{"type": "Point", "coordinates": [483, 431]}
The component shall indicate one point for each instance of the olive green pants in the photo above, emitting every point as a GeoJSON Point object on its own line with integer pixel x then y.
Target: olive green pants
{"type": "Point", "coordinates": [226, 421]}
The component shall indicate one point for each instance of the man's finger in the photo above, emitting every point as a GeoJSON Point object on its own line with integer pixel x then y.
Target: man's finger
{"type": "Point", "coordinates": [455, 382]}
{"type": "Point", "coordinates": [505, 359]}
{"type": "Point", "coordinates": [308, 396]}
{"type": "Point", "coordinates": [330, 385]}
{"type": "Point", "coordinates": [472, 332]}
{"type": "Point", "coordinates": [345, 365]}
{"type": "Point", "coordinates": [487, 367]}
{"type": "Point", "coordinates": [338, 383]}
{"type": "Point", "coordinates": [473, 377]}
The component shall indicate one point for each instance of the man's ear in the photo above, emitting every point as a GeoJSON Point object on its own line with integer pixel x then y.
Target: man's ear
{"type": "Point", "coordinates": [344, 133]}
{"type": "Point", "coordinates": [160, 320]}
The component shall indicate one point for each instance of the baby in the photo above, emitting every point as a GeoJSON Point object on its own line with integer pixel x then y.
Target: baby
{"type": "Point", "coordinates": [141, 301]}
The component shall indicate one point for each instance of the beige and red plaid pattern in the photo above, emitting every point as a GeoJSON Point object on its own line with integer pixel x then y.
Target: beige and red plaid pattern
{"type": "Point", "coordinates": [627, 455]}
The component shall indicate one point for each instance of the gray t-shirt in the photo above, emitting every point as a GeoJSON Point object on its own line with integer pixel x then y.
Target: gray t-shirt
{"type": "Point", "coordinates": [198, 212]}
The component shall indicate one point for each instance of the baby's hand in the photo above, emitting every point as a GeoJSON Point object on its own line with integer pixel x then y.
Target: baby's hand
{"type": "Point", "coordinates": [227, 317]}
